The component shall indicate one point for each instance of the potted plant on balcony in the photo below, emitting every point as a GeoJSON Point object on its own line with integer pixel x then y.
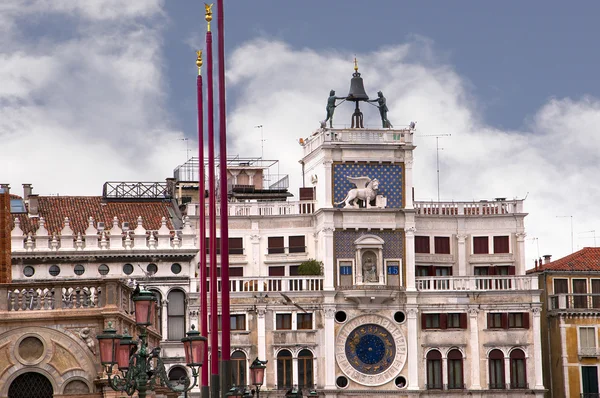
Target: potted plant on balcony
{"type": "Point", "coordinates": [311, 267]}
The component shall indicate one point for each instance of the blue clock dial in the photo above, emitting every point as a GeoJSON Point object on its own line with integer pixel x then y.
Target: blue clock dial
{"type": "Point", "coordinates": [370, 349]}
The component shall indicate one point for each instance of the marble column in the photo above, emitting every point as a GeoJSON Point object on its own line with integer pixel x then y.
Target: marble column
{"type": "Point", "coordinates": [327, 250]}
{"type": "Point", "coordinates": [520, 268]}
{"type": "Point", "coordinates": [328, 203]}
{"type": "Point", "coordinates": [413, 349]}
{"type": "Point", "coordinates": [295, 375]}
{"type": "Point", "coordinates": [261, 332]}
{"type": "Point", "coordinates": [164, 319]}
{"type": "Point", "coordinates": [329, 347]}
{"type": "Point", "coordinates": [408, 163]}
{"type": "Point", "coordinates": [537, 347]}
{"type": "Point", "coordinates": [474, 346]}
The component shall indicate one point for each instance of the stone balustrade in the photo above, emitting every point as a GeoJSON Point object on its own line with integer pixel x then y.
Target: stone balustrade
{"type": "Point", "coordinates": [65, 295]}
{"type": "Point", "coordinates": [476, 283]}
{"type": "Point", "coordinates": [244, 209]}
{"type": "Point", "coordinates": [481, 208]}
{"type": "Point", "coordinates": [574, 302]}
{"type": "Point", "coordinates": [276, 284]}
{"type": "Point", "coordinates": [93, 239]}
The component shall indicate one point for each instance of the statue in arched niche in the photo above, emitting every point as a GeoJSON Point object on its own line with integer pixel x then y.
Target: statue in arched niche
{"type": "Point", "coordinates": [369, 267]}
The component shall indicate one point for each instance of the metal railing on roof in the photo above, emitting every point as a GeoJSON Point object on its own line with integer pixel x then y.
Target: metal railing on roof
{"type": "Point", "coordinates": [135, 190]}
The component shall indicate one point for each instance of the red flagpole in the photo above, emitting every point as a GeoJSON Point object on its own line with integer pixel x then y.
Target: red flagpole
{"type": "Point", "coordinates": [225, 319]}
{"type": "Point", "coordinates": [202, 231]}
{"type": "Point", "coordinates": [214, 325]}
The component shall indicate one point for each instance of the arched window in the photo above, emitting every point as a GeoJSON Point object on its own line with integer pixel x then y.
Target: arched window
{"type": "Point", "coordinates": [518, 370]}
{"type": "Point", "coordinates": [306, 369]}
{"type": "Point", "coordinates": [177, 374]}
{"type": "Point", "coordinates": [455, 370]}
{"type": "Point", "coordinates": [238, 372]}
{"type": "Point", "coordinates": [176, 315]}
{"type": "Point", "coordinates": [284, 369]}
{"type": "Point", "coordinates": [496, 361]}
{"type": "Point", "coordinates": [30, 385]}
{"type": "Point", "coordinates": [434, 370]}
{"type": "Point", "coordinates": [157, 322]}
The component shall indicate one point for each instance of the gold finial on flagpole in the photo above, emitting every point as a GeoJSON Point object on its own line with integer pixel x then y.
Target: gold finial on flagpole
{"type": "Point", "coordinates": [199, 61]}
{"type": "Point", "coordinates": [208, 14]}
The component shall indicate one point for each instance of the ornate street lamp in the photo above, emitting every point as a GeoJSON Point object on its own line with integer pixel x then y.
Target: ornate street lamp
{"type": "Point", "coordinates": [142, 369]}
{"type": "Point", "coordinates": [257, 375]}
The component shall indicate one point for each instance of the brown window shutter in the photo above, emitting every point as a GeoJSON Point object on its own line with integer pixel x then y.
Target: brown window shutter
{"type": "Point", "coordinates": [422, 244]}
{"type": "Point", "coordinates": [511, 270]}
{"type": "Point", "coordinates": [489, 320]}
{"type": "Point", "coordinates": [480, 245]}
{"type": "Point", "coordinates": [500, 244]}
{"type": "Point", "coordinates": [505, 321]}
{"type": "Point", "coordinates": [423, 321]}
{"type": "Point", "coordinates": [297, 244]}
{"type": "Point", "coordinates": [492, 270]}
{"type": "Point", "coordinates": [442, 245]}
{"type": "Point", "coordinates": [236, 271]}
{"type": "Point", "coordinates": [443, 321]}
{"type": "Point", "coordinates": [526, 320]}
{"type": "Point", "coordinates": [275, 244]}
{"type": "Point", "coordinates": [307, 193]}
{"type": "Point", "coordinates": [276, 271]}
{"type": "Point", "coordinates": [463, 320]}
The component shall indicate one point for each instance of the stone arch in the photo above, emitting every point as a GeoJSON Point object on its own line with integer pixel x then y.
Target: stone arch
{"type": "Point", "coordinates": [76, 385]}
{"type": "Point", "coordinates": [31, 384]}
{"type": "Point", "coordinates": [66, 357]}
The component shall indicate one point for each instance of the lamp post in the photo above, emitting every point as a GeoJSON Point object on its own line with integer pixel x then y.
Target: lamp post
{"type": "Point", "coordinates": [257, 375]}
{"type": "Point", "coordinates": [142, 369]}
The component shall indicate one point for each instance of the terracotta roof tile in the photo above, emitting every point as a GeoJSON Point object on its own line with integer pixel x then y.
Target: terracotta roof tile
{"type": "Point", "coordinates": [54, 209]}
{"type": "Point", "coordinates": [586, 259]}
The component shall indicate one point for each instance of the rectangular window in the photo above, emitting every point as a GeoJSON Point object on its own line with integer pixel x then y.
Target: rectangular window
{"type": "Point", "coordinates": [207, 241]}
{"type": "Point", "coordinates": [432, 321]}
{"type": "Point", "coordinates": [580, 293]}
{"type": "Point", "coordinates": [495, 321]}
{"type": "Point", "coordinates": [275, 245]}
{"type": "Point", "coordinates": [480, 245]}
{"type": "Point", "coordinates": [442, 245]}
{"type": "Point", "coordinates": [423, 270]}
{"type": "Point", "coordinates": [587, 338]}
{"type": "Point", "coordinates": [596, 293]}
{"type": "Point", "coordinates": [238, 322]}
{"type": "Point", "coordinates": [422, 244]}
{"type": "Point", "coordinates": [277, 271]}
{"type": "Point", "coordinates": [501, 244]}
{"type": "Point", "coordinates": [304, 321]}
{"type": "Point", "coordinates": [561, 286]}
{"type": "Point", "coordinates": [515, 320]}
{"type": "Point", "coordinates": [297, 244]}
{"type": "Point", "coordinates": [283, 322]}
{"type": "Point", "coordinates": [589, 380]}
{"type": "Point", "coordinates": [345, 269]}
{"type": "Point", "coordinates": [294, 270]}
{"type": "Point", "coordinates": [236, 271]}
{"type": "Point", "coordinates": [236, 245]}
{"type": "Point", "coordinates": [454, 321]}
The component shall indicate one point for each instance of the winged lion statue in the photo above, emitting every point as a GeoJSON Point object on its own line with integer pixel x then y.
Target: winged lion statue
{"type": "Point", "coordinates": [366, 190]}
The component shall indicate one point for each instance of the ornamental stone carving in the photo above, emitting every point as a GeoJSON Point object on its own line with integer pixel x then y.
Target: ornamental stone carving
{"type": "Point", "coordinates": [365, 190]}
{"type": "Point", "coordinates": [329, 312]}
{"type": "Point", "coordinates": [370, 350]}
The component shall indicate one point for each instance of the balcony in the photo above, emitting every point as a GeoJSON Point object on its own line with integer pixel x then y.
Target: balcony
{"type": "Point", "coordinates": [277, 284]}
{"type": "Point", "coordinates": [588, 352]}
{"type": "Point", "coordinates": [276, 208]}
{"type": "Point", "coordinates": [482, 208]}
{"type": "Point", "coordinates": [574, 302]}
{"type": "Point", "coordinates": [475, 283]}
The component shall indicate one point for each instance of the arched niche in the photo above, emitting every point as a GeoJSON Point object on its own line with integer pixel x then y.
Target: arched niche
{"type": "Point", "coordinates": [369, 260]}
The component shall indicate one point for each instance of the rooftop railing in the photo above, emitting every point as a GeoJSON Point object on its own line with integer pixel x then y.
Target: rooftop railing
{"type": "Point", "coordinates": [476, 283]}
{"type": "Point", "coordinates": [481, 208]}
{"type": "Point", "coordinates": [574, 302]}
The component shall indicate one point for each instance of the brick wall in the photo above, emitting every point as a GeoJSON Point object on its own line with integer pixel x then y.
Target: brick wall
{"type": "Point", "coordinates": [5, 259]}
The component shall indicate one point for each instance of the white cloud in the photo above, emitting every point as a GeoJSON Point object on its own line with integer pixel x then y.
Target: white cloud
{"type": "Point", "coordinates": [554, 161]}
{"type": "Point", "coordinates": [81, 110]}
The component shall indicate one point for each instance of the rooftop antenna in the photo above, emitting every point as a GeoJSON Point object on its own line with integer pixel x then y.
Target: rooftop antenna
{"type": "Point", "coordinates": [187, 147]}
{"type": "Point", "coordinates": [593, 231]}
{"type": "Point", "coordinates": [537, 241]}
{"type": "Point", "coordinates": [572, 250]}
{"type": "Point", "coordinates": [262, 141]}
{"type": "Point", "coordinates": [437, 157]}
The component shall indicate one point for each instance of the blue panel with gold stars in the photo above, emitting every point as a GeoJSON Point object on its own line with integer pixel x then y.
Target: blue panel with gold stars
{"type": "Point", "coordinates": [389, 176]}
{"type": "Point", "coordinates": [370, 349]}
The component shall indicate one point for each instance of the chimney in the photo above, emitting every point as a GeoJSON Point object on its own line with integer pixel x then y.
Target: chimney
{"type": "Point", "coordinates": [547, 258]}
{"type": "Point", "coordinates": [536, 264]}
{"type": "Point", "coordinates": [6, 187]}
{"type": "Point", "coordinates": [33, 205]}
{"type": "Point", "coordinates": [26, 191]}
{"type": "Point", "coordinates": [171, 187]}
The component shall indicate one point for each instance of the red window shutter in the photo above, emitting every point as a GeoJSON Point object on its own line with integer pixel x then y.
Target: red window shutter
{"type": "Point", "coordinates": [442, 245]}
{"type": "Point", "coordinates": [492, 270]}
{"type": "Point", "coordinates": [480, 245]}
{"type": "Point", "coordinates": [505, 321]}
{"type": "Point", "coordinates": [526, 320]}
{"type": "Point", "coordinates": [443, 321]}
{"type": "Point", "coordinates": [463, 320]}
{"type": "Point", "coordinates": [275, 244]}
{"type": "Point", "coordinates": [431, 270]}
{"type": "Point", "coordinates": [511, 270]}
{"type": "Point", "coordinates": [236, 271]}
{"type": "Point", "coordinates": [307, 194]}
{"type": "Point", "coordinates": [422, 244]}
{"type": "Point", "coordinates": [423, 321]}
{"type": "Point", "coordinates": [489, 320]}
{"type": "Point", "coordinates": [500, 244]}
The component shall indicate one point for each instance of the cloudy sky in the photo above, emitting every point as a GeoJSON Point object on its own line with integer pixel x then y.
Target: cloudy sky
{"type": "Point", "coordinates": [104, 90]}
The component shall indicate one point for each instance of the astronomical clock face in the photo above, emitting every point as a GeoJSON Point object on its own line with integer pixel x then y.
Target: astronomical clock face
{"type": "Point", "coordinates": [371, 350]}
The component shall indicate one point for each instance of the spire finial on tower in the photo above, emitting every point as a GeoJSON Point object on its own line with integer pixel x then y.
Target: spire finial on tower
{"type": "Point", "coordinates": [199, 61]}
{"type": "Point", "coordinates": [208, 14]}
{"type": "Point", "coordinates": [355, 64]}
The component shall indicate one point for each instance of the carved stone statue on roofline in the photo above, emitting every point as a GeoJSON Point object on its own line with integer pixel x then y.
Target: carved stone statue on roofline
{"type": "Point", "coordinates": [366, 190]}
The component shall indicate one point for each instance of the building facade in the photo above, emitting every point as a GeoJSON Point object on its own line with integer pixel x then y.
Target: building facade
{"type": "Point", "coordinates": [571, 307]}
